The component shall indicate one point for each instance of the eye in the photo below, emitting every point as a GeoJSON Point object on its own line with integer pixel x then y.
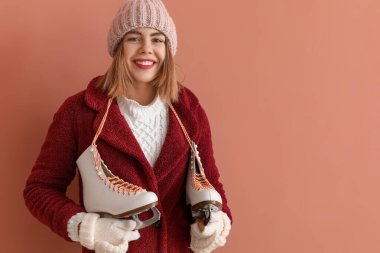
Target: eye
{"type": "Point", "coordinates": [133, 39]}
{"type": "Point", "coordinates": [158, 40]}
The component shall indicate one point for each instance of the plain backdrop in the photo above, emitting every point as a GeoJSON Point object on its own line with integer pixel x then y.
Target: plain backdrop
{"type": "Point", "coordinates": [291, 89]}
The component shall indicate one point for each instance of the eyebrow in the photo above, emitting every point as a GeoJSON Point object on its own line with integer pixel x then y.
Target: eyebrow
{"type": "Point", "coordinates": [151, 35]}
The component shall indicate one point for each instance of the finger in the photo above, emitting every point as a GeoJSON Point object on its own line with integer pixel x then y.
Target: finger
{"type": "Point", "coordinates": [207, 231]}
{"type": "Point", "coordinates": [127, 224]}
{"type": "Point", "coordinates": [216, 224]}
{"type": "Point", "coordinates": [215, 216]}
{"type": "Point", "coordinates": [132, 235]}
{"type": "Point", "coordinates": [195, 231]}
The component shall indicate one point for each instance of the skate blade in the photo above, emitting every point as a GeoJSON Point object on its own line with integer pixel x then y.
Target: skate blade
{"type": "Point", "coordinates": [135, 211]}
{"type": "Point", "coordinates": [134, 215]}
{"type": "Point", "coordinates": [202, 204]}
{"type": "Point", "coordinates": [142, 224]}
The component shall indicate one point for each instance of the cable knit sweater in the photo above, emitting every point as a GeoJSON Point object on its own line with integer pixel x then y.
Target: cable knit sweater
{"type": "Point", "coordinates": [149, 124]}
{"type": "Point", "coordinates": [71, 132]}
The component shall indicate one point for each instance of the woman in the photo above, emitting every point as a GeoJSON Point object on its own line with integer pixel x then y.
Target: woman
{"type": "Point", "coordinates": [140, 140]}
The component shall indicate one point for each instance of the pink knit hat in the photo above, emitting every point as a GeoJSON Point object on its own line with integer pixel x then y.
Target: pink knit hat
{"type": "Point", "coordinates": [141, 13]}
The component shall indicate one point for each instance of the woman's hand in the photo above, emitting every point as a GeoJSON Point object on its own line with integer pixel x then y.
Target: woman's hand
{"type": "Point", "coordinates": [106, 235]}
{"type": "Point", "coordinates": [205, 239]}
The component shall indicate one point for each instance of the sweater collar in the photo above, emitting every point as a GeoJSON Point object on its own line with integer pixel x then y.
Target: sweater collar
{"type": "Point", "coordinates": [135, 110]}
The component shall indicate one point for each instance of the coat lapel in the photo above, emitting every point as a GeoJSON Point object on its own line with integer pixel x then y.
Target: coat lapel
{"type": "Point", "coordinates": [175, 146]}
{"type": "Point", "coordinates": [116, 131]}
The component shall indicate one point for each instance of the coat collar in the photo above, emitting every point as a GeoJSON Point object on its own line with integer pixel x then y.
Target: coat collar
{"type": "Point", "coordinates": [118, 134]}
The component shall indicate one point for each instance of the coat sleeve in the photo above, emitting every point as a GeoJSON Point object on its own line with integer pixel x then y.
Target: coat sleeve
{"type": "Point", "coordinates": [206, 153]}
{"type": "Point", "coordinates": [53, 171]}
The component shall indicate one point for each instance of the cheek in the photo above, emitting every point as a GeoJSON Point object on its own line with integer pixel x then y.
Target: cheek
{"type": "Point", "coordinates": [162, 54]}
{"type": "Point", "coordinates": [129, 50]}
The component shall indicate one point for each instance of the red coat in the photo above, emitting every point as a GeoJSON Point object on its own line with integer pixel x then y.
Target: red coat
{"type": "Point", "coordinates": [72, 131]}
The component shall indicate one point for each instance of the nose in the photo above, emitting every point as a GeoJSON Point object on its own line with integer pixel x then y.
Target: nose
{"type": "Point", "coordinates": [146, 47]}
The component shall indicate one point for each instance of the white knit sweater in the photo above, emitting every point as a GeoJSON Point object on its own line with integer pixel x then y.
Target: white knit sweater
{"type": "Point", "coordinates": [149, 124]}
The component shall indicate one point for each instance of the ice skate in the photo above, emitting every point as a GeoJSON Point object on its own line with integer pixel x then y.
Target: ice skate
{"type": "Point", "coordinates": [105, 193]}
{"type": "Point", "coordinates": [200, 194]}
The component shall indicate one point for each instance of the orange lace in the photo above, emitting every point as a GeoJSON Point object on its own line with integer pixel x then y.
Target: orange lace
{"type": "Point", "coordinates": [200, 182]}
{"type": "Point", "coordinates": [199, 179]}
{"type": "Point", "coordinates": [114, 182]}
{"type": "Point", "coordinates": [184, 132]}
{"type": "Point", "coordinates": [123, 187]}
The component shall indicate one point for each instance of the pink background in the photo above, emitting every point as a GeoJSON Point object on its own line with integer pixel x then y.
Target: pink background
{"type": "Point", "coordinates": [291, 89]}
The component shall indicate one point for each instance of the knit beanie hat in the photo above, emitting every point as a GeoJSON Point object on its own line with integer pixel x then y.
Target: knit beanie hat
{"type": "Point", "coordinates": [141, 13]}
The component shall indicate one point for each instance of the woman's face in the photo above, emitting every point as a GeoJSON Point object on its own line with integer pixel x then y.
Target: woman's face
{"type": "Point", "coordinates": [144, 52]}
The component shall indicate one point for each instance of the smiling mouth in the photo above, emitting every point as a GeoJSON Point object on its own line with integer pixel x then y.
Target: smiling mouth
{"type": "Point", "coordinates": [145, 64]}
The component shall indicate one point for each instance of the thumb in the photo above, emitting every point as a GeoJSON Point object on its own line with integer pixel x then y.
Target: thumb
{"type": "Point", "coordinates": [207, 231]}
{"type": "Point", "coordinates": [126, 224]}
{"type": "Point", "coordinates": [131, 236]}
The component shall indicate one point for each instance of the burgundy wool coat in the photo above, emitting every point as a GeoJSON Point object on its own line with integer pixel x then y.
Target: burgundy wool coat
{"type": "Point", "coordinates": [71, 132]}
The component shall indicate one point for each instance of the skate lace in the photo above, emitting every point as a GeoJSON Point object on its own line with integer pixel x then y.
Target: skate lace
{"type": "Point", "coordinates": [114, 182]}
{"type": "Point", "coordinates": [121, 186]}
{"type": "Point", "coordinates": [185, 133]}
{"type": "Point", "coordinates": [200, 182]}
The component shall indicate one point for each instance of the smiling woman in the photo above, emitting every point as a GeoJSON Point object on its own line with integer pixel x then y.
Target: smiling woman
{"type": "Point", "coordinates": [136, 135]}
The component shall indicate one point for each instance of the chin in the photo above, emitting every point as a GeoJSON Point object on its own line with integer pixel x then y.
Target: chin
{"type": "Point", "coordinates": [148, 81]}
{"type": "Point", "coordinates": [144, 79]}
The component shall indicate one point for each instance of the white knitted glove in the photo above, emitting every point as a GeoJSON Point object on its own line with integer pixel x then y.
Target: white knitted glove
{"type": "Point", "coordinates": [214, 234]}
{"type": "Point", "coordinates": [106, 235]}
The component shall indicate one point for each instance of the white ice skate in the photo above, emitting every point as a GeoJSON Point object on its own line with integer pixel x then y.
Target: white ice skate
{"type": "Point", "coordinates": [200, 194]}
{"type": "Point", "coordinates": [107, 194]}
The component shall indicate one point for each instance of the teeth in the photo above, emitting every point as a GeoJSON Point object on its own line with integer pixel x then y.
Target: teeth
{"type": "Point", "coordinates": [145, 63]}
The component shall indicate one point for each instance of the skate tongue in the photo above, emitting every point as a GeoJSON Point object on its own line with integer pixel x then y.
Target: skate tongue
{"type": "Point", "coordinates": [145, 223]}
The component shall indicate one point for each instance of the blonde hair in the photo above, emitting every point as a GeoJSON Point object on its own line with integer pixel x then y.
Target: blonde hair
{"type": "Point", "coordinates": [117, 79]}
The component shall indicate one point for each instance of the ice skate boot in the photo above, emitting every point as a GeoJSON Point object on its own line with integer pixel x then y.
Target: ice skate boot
{"type": "Point", "coordinates": [107, 194]}
{"type": "Point", "coordinates": [200, 194]}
